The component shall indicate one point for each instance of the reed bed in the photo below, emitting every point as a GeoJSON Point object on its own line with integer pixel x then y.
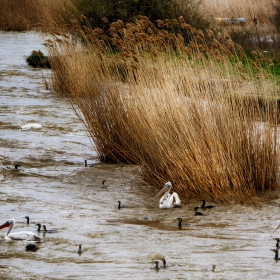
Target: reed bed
{"type": "Point", "coordinates": [261, 9]}
{"type": "Point", "coordinates": [258, 31]}
{"type": "Point", "coordinates": [20, 15]}
{"type": "Point", "coordinates": [183, 105]}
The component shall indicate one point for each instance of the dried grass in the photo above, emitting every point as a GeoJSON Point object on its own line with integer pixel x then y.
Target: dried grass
{"type": "Point", "coordinates": [181, 105]}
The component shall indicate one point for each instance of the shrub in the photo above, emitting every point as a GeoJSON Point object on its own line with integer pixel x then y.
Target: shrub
{"type": "Point", "coordinates": [38, 59]}
{"type": "Point", "coordinates": [101, 13]}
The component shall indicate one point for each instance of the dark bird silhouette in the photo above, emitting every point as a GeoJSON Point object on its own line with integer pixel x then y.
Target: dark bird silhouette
{"type": "Point", "coordinates": [31, 247]}
{"type": "Point", "coordinates": [103, 184]}
{"type": "Point", "coordinates": [203, 206]}
{"type": "Point", "coordinates": [157, 264]}
{"type": "Point", "coordinates": [196, 212]}
{"type": "Point", "coordinates": [277, 242]}
{"type": "Point", "coordinates": [120, 205]}
{"type": "Point", "coordinates": [276, 254]}
{"type": "Point", "coordinates": [80, 249]}
{"type": "Point", "coordinates": [28, 220]}
{"type": "Point", "coordinates": [45, 230]}
{"type": "Point", "coordinates": [88, 165]}
{"type": "Point", "coordinates": [158, 261]}
{"type": "Point", "coordinates": [39, 227]}
{"type": "Point", "coordinates": [17, 166]}
{"type": "Point", "coordinates": [180, 225]}
{"type": "Point", "coordinates": [213, 267]}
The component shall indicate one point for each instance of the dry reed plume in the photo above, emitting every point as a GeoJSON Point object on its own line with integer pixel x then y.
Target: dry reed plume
{"type": "Point", "coordinates": [176, 101]}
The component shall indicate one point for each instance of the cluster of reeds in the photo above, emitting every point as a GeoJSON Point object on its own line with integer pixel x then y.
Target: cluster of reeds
{"type": "Point", "coordinates": [19, 15]}
{"type": "Point", "coordinates": [186, 106]}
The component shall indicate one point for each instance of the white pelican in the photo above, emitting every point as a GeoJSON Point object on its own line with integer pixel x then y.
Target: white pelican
{"type": "Point", "coordinates": [21, 235]}
{"type": "Point", "coordinates": [168, 200]}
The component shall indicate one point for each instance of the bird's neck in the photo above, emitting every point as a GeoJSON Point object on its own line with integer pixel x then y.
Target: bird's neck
{"type": "Point", "coordinates": [9, 230]}
{"type": "Point", "coordinates": [203, 204]}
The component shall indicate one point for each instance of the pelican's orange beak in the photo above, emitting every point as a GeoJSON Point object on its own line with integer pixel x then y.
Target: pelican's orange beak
{"type": "Point", "coordinates": [277, 228]}
{"type": "Point", "coordinates": [5, 225]}
{"type": "Point", "coordinates": [164, 189]}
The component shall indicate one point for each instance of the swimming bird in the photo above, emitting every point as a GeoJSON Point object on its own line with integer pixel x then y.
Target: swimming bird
{"type": "Point", "coordinates": [120, 205]}
{"type": "Point", "coordinates": [39, 227]}
{"type": "Point", "coordinates": [180, 225]}
{"type": "Point", "coordinates": [196, 212]}
{"type": "Point", "coordinates": [157, 264]}
{"type": "Point", "coordinates": [103, 184]}
{"type": "Point", "coordinates": [31, 247]}
{"type": "Point", "coordinates": [276, 254]}
{"type": "Point", "coordinates": [45, 230]}
{"type": "Point", "coordinates": [213, 267]}
{"type": "Point", "coordinates": [277, 242]}
{"type": "Point", "coordinates": [17, 166]}
{"type": "Point", "coordinates": [168, 200]}
{"type": "Point", "coordinates": [28, 220]}
{"type": "Point", "coordinates": [88, 165]}
{"type": "Point", "coordinates": [205, 207]}
{"type": "Point", "coordinates": [21, 235]}
{"type": "Point", "coordinates": [80, 249]}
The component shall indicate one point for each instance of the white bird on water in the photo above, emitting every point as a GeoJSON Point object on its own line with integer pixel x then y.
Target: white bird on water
{"type": "Point", "coordinates": [21, 235]}
{"type": "Point", "coordinates": [168, 200]}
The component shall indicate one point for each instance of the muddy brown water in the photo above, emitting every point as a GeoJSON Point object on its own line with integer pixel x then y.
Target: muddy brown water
{"type": "Point", "coordinates": [53, 187]}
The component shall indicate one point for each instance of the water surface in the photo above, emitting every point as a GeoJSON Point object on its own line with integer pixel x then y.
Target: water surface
{"type": "Point", "coordinates": [53, 187]}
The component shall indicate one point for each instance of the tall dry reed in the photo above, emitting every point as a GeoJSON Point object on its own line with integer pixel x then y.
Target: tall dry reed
{"type": "Point", "coordinates": [181, 105]}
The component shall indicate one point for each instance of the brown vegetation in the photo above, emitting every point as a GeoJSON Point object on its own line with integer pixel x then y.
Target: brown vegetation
{"type": "Point", "coordinates": [181, 105]}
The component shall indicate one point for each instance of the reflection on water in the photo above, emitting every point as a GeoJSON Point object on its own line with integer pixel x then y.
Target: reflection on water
{"type": "Point", "coordinates": [53, 187]}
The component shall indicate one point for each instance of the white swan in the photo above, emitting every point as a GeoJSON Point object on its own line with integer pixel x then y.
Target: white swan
{"type": "Point", "coordinates": [168, 200]}
{"type": "Point", "coordinates": [21, 235]}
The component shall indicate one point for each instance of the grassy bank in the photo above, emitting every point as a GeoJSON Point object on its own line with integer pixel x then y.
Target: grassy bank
{"type": "Point", "coordinates": [185, 108]}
